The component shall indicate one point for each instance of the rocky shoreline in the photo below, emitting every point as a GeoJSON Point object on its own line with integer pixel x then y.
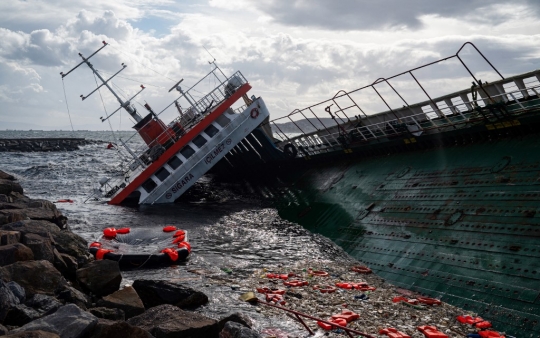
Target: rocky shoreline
{"type": "Point", "coordinates": [43, 144]}
{"type": "Point", "coordinates": [50, 286]}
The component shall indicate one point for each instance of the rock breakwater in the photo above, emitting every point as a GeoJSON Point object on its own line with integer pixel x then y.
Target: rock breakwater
{"type": "Point", "coordinates": [50, 286]}
{"type": "Point", "coordinates": [42, 144]}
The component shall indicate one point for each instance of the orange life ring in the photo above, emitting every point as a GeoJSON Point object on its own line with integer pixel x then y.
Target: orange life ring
{"type": "Point", "coordinates": [254, 113]}
{"type": "Point", "coordinates": [325, 289]}
{"type": "Point", "coordinates": [179, 233]}
{"type": "Point", "coordinates": [102, 252]}
{"type": "Point", "coordinates": [185, 245]}
{"type": "Point", "coordinates": [95, 245]}
{"type": "Point", "coordinates": [361, 269]}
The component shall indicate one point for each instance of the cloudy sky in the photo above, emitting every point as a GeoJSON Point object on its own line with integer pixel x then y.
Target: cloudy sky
{"type": "Point", "coordinates": [294, 53]}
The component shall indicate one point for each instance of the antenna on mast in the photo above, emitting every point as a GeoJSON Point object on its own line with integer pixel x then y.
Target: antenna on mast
{"type": "Point", "coordinates": [123, 104]}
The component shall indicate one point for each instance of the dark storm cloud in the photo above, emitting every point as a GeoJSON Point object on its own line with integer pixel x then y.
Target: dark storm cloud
{"type": "Point", "coordinates": [384, 14]}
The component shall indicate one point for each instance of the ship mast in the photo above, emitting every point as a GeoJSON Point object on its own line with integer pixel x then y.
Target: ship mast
{"type": "Point", "coordinates": [123, 104]}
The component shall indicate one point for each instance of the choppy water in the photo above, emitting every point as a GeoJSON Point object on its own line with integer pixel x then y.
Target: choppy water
{"type": "Point", "coordinates": [232, 236]}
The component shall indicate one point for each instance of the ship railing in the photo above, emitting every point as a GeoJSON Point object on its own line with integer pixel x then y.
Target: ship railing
{"type": "Point", "coordinates": [341, 136]}
{"type": "Point", "coordinates": [343, 113]}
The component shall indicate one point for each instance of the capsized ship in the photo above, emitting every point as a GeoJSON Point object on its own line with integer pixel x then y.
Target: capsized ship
{"type": "Point", "coordinates": [439, 197]}
{"type": "Point", "coordinates": [175, 155]}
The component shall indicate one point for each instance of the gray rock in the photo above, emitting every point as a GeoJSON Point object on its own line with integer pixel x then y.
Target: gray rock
{"type": "Point", "coordinates": [7, 186]}
{"type": "Point", "coordinates": [71, 295]}
{"type": "Point", "coordinates": [110, 329]}
{"type": "Point", "coordinates": [9, 237]}
{"type": "Point", "coordinates": [12, 215]}
{"type": "Point", "coordinates": [153, 293]}
{"type": "Point", "coordinates": [236, 317]}
{"type": "Point", "coordinates": [6, 176]}
{"type": "Point", "coordinates": [34, 277]}
{"type": "Point", "coordinates": [100, 277]}
{"type": "Point", "coordinates": [7, 300]}
{"type": "Point", "coordinates": [69, 321]}
{"type": "Point", "coordinates": [40, 246]}
{"type": "Point", "coordinates": [12, 253]}
{"type": "Point", "coordinates": [108, 313]}
{"type": "Point", "coordinates": [71, 244]}
{"type": "Point", "coordinates": [166, 321]}
{"type": "Point", "coordinates": [126, 299]}
{"type": "Point", "coordinates": [17, 290]}
{"type": "Point", "coordinates": [3, 330]}
{"type": "Point", "coordinates": [20, 314]}
{"type": "Point", "coordinates": [236, 330]}
{"type": "Point", "coordinates": [44, 304]}
{"type": "Point", "coordinates": [71, 266]}
{"type": "Point", "coordinates": [33, 334]}
{"type": "Point", "coordinates": [5, 199]}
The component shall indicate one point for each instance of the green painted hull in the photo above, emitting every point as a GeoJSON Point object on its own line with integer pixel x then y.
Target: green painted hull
{"type": "Point", "coordinates": [458, 220]}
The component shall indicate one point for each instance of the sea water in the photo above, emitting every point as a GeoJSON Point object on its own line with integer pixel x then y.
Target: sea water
{"type": "Point", "coordinates": [232, 236]}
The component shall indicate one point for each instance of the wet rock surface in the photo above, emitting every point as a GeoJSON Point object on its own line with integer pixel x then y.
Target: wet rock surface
{"type": "Point", "coordinates": [154, 293]}
{"type": "Point", "coordinates": [236, 330]}
{"type": "Point", "coordinates": [171, 321]}
{"type": "Point", "coordinates": [100, 277]}
{"type": "Point", "coordinates": [126, 300]}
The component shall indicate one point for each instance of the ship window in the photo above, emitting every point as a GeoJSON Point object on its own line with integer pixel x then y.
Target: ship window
{"type": "Point", "coordinates": [175, 162]}
{"type": "Point", "coordinates": [162, 174]}
{"type": "Point", "coordinates": [187, 151]}
{"type": "Point", "coordinates": [222, 120]}
{"type": "Point", "coordinates": [199, 141]}
{"type": "Point", "coordinates": [211, 130]}
{"type": "Point", "coordinates": [149, 185]}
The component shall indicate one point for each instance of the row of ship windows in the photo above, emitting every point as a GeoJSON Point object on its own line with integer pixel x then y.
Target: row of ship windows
{"type": "Point", "coordinates": [175, 162]}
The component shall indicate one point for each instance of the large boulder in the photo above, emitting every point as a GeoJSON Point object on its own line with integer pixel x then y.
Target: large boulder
{"type": "Point", "coordinates": [64, 241]}
{"type": "Point", "coordinates": [40, 246]}
{"type": "Point", "coordinates": [34, 277]}
{"type": "Point", "coordinates": [7, 186]}
{"type": "Point", "coordinates": [20, 314]}
{"type": "Point", "coordinates": [44, 304]}
{"type": "Point", "coordinates": [17, 290]}
{"type": "Point", "coordinates": [11, 215]}
{"type": "Point", "coordinates": [168, 321]}
{"type": "Point", "coordinates": [154, 293]}
{"type": "Point", "coordinates": [67, 321]}
{"type": "Point", "coordinates": [126, 299]}
{"type": "Point", "coordinates": [7, 300]}
{"type": "Point", "coordinates": [236, 330]}
{"type": "Point", "coordinates": [12, 253]}
{"type": "Point", "coordinates": [101, 277]}
{"type": "Point", "coordinates": [111, 329]}
{"type": "Point", "coordinates": [9, 237]}
{"type": "Point", "coordinates": [236, 317]}
{"type": "Point", "coordinates": [6, 176]}
{"type": "Point", "coordinates": [33, 334]}
{"type": "Point", "coordinates": [108, 313]}
{"type": "Point", "coordinates": [68, 265]}
{"type": "Point", "coordinates": [71, 295]}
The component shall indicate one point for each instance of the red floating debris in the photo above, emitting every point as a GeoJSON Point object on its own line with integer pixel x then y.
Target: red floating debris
{"type": "Point", "coordinates": [64, 201]}
{"type": "Point", "coordinates": [328, 327]}
{"type": "Point", "coordinates": [469, 320]}
{"type": "Point", "coordinates": [277, 276]}
{"type": "Point", "coordinates": [393, 333]}
{"type": "Point", "coordinates": [169, 228]}
{"type": "Point", "coordinates": [431, 332]}
{"type": "Point", "coordinates": [429, 301]}
{"type": "Point", "coordinates": [275, 298]}
{"type": "Point", "coordinates": [173, 254]}
{"type": "Point", "coordinates": [266, 290]}
{"type": "Point", "coordinates": [109, 232]}
{"type": "Point", "coordinates": [348, 315]}
{"type": "Point", "coordinates": [318, 273]}
{"type": "Point", "coordinates": [123, 231]}
{"type": "Point", "coordinates": [483, 325]}
{"type": "Point", "coordinates": [295, 283]}
{"type": "Point", "coordinates": [361, 269]}
{"type": "Point", "coordinates": [490, 334]}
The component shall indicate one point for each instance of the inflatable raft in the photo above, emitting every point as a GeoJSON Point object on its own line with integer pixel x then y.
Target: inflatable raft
{"type": "Point", "coordinates": [142, 247]}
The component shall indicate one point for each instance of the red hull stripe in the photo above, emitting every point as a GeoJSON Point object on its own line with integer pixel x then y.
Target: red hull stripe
{"type": "Point", "coordinates": [151, 169]}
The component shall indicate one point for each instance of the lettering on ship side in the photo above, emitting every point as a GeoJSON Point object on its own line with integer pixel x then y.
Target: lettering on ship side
{"type": "Point", "coordinates": [217, 150]}
{"type": "Point", "coordinates": [179, 185]}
